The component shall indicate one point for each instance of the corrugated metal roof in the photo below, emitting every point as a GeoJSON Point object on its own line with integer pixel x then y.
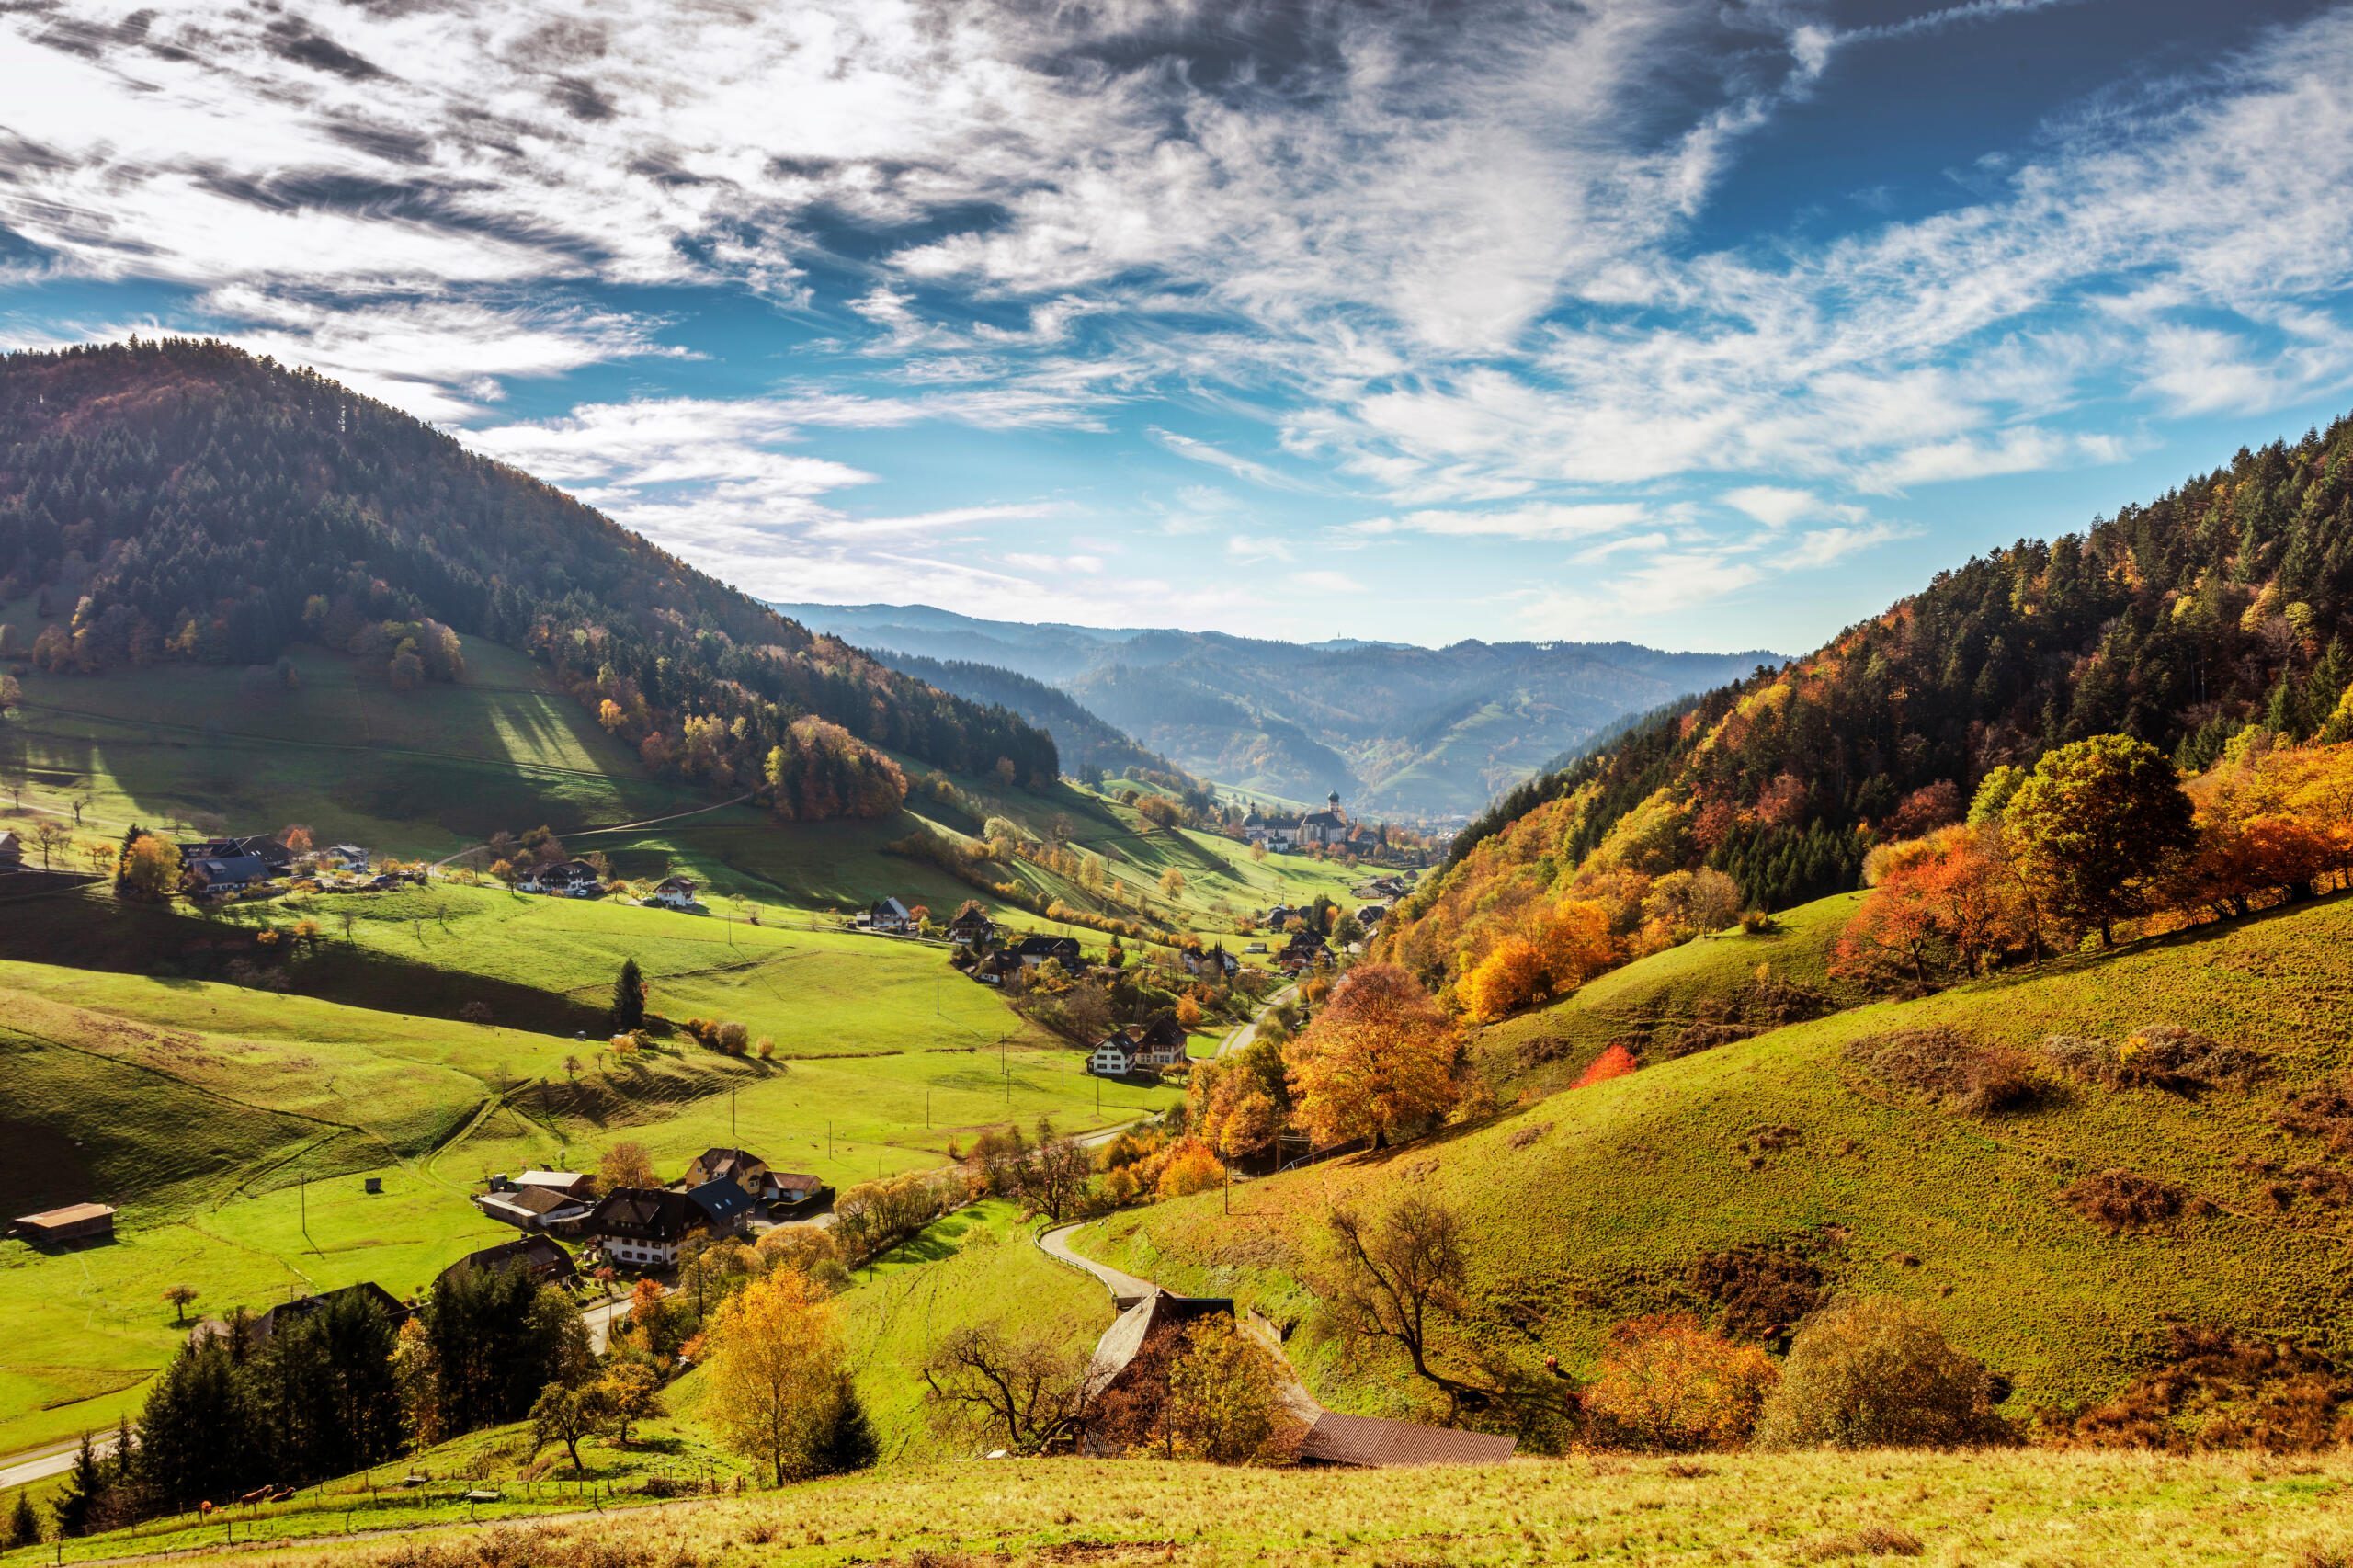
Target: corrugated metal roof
{"type": "Point", "coordinates": [1370, 1440]}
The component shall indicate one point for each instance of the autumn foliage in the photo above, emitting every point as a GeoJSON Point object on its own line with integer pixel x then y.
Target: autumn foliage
{"type": "Point", "coordinates": [1378, 1061]}
{"type": "Point", "coordinates": [1614, 1062]}
{"type": "Point", "coordinates": [1666, 1384]}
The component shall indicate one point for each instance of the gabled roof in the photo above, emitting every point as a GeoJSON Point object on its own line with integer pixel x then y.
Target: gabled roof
{"type": "Point", "coordinates": [721, 1199]}
{"type": "Point", "coordinates": [535, 1253]}
{"type": "Point", "coordinates": [1370, 1440]}
{"type": "Point", "coordinates": [645, 1214]}
{"type": "Point", "coordinates": [1047, 946]}
{"type": "Point", "coordinates": [795, 1181]}
{"type": "Point", "coordinates": [541, 1200]}
{"type": "Point", "coordinates": [228, 868]}
{"type": "Point", "coordinates": [890, 909]}
{"type": "Point", "coordinates": [1164, 1029]}
{"type": "Point", "coordinates": [675, 884]}
{"type": "Point", "coordinates": [567, 1180]}
{"type": "Point", "coordinates": [970, 919]}
{"type": "Point", "coordinates": [725, 1164]}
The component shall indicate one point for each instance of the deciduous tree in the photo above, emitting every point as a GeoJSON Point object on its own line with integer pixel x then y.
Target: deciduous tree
{"type": "Point", "coordinates": [1378, 1060]}
{"type": "Point", "coordinates": [2094, 823]}
{"type": "Point", "coordinates": [775, 1362]}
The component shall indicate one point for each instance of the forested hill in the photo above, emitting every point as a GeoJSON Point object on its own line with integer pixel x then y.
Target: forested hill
{"type": "Point", "coordinates": [2180, 621]}
{"type": "Point", "coordinates": [1083, 740]}
{"type": "Point", "coordinates": [180, 500]}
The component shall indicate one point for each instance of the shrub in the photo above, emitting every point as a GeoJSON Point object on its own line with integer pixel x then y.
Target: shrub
{"type": "Point", "coordinates": [1668, 1385]}
{"type": "Point", "coordinates": [1763, 1292]}
{"type": "Point", "coordinates": [474, 1013]}
{"type": "Point", "coordinates": [1967, 1074]}
{"type": "Point", "coordinates": [2118, 1201]}
{"type": "Point", "coordinates": [2161, 1056]}
{"type": "Point", "coordinates": [1878, 1373]}
{"type": "Point", "coordinates": [2216, 1389]}
{"type": "Point", "coordinates": [734, 1038]}
{"type": "Point", "coordinates": [1614, 1062]}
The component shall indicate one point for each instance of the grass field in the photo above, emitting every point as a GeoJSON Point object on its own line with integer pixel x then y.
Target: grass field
{"type": "Point", "coordinates": [2037, 1509]}
{"type": "Point", "coordinates": [203, 1108]}
{"type": "Point", "coordinates": [1590, 1206]}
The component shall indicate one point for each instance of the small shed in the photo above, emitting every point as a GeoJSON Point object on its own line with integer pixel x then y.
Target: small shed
{"type": "Point", "coordinates": [75, 1222]}
{"type": "Point", "coordinates": [1367, 1440]}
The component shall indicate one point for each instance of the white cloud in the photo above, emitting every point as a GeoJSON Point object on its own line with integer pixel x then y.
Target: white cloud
{"type": "Point", "coordinates": [1327, 582]}
{"type": "Point", "coordinates": [1549, 521]}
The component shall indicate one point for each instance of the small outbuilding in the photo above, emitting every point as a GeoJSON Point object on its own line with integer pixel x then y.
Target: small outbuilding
{"type": "Point", "coordinates": [65, 1227]}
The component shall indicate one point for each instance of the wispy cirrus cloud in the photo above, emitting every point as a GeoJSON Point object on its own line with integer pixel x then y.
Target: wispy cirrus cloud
{"type": "Point", "coordinates": [1433, 286]}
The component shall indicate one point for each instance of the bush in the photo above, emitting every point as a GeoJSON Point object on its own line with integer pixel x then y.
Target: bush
{"type": "Point", "coordinates": [2119, 1201]}
{"type": "Point", "coordinates": [1967, 1074]}
{"type": "Point", "coordinates": [2161, 1056]}
{"type": "Point", "coordinates": [1668, 1385]}
{"type": "Point", "coordinates": [1878, 1373]}
{"type": "Point", "coordinates": [474, 1013]}
{"type": "Point", "coordinates": [1764, 1292]}
{"type": "Point", "coordinates": [2214, 1390]}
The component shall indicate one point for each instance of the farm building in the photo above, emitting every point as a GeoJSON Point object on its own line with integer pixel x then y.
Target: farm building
{"type": "Point", "coordinates": [1367, 1440]}
{"type": "Point", "coordinates": [542, 1258]}
{"type": "Point", "coordinates": [75, 1222]}
{"type": "Point", "coordinates": [642, 1226]}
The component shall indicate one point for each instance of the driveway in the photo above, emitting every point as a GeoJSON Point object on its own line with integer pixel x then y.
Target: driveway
{"type": "Point", "coordinates": [1123, 1287]}
{"type": "Point", "coordinates": [1239, 1035]}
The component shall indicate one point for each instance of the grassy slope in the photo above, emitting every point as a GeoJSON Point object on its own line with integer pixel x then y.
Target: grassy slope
{"type": "Point", "coordinates": [1662, 991]}
{"type": "Point", "coordinates": [199, 1106]}
{"type": "Point", "coordinates": [426, 773]}
{"type": "Point", "coordinates": [2085, 1510]}
{"type": "Point", "coordinates": [1587, 1207]}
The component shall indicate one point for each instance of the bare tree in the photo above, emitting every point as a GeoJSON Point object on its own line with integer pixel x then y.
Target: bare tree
{"type": "Point", "coordinates": [1397, 1276]}
{"type": "Point", "coordinates": [51, 835]}
{"type": "Point", "coordinates": [1054, 1179]}
{"type": "Point", "coordinates": [1027, 1386]}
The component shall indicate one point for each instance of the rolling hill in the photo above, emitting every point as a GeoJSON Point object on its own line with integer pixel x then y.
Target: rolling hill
{"type": "Point", "coordinates": [1587, 1207]}
{"type": "Point", "coordinates": [1424, 733]}
{"type": "Point", "coordinates": [2222, 604]}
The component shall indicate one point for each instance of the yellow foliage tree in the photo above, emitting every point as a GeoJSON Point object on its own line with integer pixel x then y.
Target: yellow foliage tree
{"type": "Point", "coordinates": [775, 1365]}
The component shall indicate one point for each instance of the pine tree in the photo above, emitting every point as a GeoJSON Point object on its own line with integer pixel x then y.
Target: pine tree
{"type": "Point", "coordinates": [629, 998]}
{"type": "Point", "coordinates": [85, 1484]}
{"type": "Point", "coordinates": [24, 1527]}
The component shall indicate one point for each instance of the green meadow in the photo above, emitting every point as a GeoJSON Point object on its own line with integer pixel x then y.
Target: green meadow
{"type": "Point", "coordinates": [1592, 1206]}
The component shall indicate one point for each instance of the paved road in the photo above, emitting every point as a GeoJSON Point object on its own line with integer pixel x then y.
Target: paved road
{"type": "Point", "coordinates": [1240, 1034]}
{"type": "Point", "coordinates": [40, 1464]}
{"type": "Point", "coordinates": [1056, 1243]}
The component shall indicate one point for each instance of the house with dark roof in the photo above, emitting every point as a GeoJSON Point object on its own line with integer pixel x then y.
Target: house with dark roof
{"type": "Point", "coordinates": [261, 1328]}
{"type": "Point", "coordinates": [1034, 950]}
{"type": "Point", "coordinates": [890, 915]}
{"type": "Point", "coordinates": [642, 1226]}
{"type": "Point", "coordinates": [217, 876]}
{"type": "Point", "coordinates": [1113, 1058]}
{"type": "Point", "coordinates": [724, 1205]}
{"type": "Point", "coordinates": [971, 928]}
{"type": "Point", "coordinates": [1159, 1043]}
{"type": "Point", "coordinates": [673, 892]}
{"type": "Point", "coordinates": [741, 1166]}
{"type": "Point", "coordinates": [539, 1256]}
{"type": "Point", "coordinates": [567, 878]}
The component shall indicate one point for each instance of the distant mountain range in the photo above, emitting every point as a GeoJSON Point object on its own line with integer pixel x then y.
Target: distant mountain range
{"type": "Point", "coordinates": [1411, 732]}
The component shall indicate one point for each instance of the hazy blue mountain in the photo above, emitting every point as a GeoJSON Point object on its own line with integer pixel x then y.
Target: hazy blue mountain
{"type": "Point", "coordinates": [1395, 728]}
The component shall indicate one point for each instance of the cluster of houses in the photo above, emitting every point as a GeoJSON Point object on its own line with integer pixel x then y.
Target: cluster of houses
{"type": "Point", "coordinates": [725, 1192]}
{"type": "Point", "coordinates": [220, 868]}
{"type": "Point", "coordinates": [1152, 1047]}
{"type": "Point", "coordinates": [1328, 829]}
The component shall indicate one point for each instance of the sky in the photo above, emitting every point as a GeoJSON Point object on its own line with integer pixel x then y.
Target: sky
{"type": "Point", "coordinates": [1703, 324]}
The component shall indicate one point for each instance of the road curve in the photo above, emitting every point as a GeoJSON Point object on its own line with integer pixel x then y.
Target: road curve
{"type": "Point", "coordinates": [1123, 1287]}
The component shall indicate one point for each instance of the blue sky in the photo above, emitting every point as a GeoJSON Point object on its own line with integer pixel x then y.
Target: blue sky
{"type": "Point", "coordinates": [1706, 325]}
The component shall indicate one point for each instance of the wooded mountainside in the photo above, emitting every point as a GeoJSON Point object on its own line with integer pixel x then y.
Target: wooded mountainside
{"type": "Point", "coordinates": [1083, 740]}
{"type": "Point", "coordinates": [182, 500]}
{"type": "Point", "coordinates": [2218, 605]}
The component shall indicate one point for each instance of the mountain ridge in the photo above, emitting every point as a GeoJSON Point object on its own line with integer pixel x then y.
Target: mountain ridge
{"type": "Point", "coordinates": [1411, 731]}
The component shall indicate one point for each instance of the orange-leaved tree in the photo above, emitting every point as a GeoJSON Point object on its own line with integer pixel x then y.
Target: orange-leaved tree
{"type": "Point", "coordinates": [1377, 1062]}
